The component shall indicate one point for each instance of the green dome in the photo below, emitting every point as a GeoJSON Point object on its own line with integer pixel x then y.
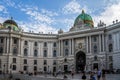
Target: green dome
{"type": "Point", "coordinates": [12, 24]}
{"type": "Point", "coordinates": [87, 19]}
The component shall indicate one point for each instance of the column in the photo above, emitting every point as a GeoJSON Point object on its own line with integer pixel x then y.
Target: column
{"type": "Point", "coordinates": [22, 49]}
{"type": "Point", "coordinates": [59, 49]}
{"type": "Point", "coordinates": [72, 46]}
{"type": "Point", "coordinates": [103, 42]}
{"type": "Point", "coordinates": [90, 44]}
{"type": "Point", "coordinates": [10, 45]}
{"type": "Point", "coordinates": [62, 48]}
{"type": "Point", "coordinates": [4, 45]}
{"type": "Point", "coordinates": [19, 44]}
{"type": "Point", "coordinates": [87, 44]}
{"type": "Point", "coordinates": [99, 42]}
{"type": "Point", "coordinates": [7, 45]}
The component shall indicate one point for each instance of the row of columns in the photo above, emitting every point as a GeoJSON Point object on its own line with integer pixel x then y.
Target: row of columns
{"type": "Point", "coordinates": [88, 45]}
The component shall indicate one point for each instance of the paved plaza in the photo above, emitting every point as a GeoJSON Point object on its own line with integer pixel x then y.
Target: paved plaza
{"type": "Point", "coordinates": [59, 77]}
{"type": "Point", "coordinates": [78, 77]}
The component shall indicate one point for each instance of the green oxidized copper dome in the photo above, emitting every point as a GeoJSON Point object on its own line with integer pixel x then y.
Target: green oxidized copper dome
{"type": "Point", "coordinates": [87, 19]}
{"type": "Point", "coordinates": [11, 23]}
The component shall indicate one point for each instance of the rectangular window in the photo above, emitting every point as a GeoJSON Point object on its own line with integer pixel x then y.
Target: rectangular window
{"type": "Point", "coordinates": [25, 68]}
{"type": "Point", "coordinates": [35, 68]}
{"type": "Point", "coordinates": [1, 40]}
{"type": "Point", "coordinates": [14, 60]}
{"type": "Point", "coordinates": [25, 61]}
{"type": "Point", "coordinates": [14, 67]}
{"type": "Point", "coordinates": [45, 68]}
{"type": "Point", "coordinates": [110, 58]}
{"type": "Point", "coordinates": [45, 53]}
{"type": "Point", "coordinates": [15, 41]}
{"type": "Point", "coordinates": [45, 44]}
{"type": "Point", "coordinates": [35, 62]}
{"type": "Point", "coordinates": [45, 62]}
{"type": "Point", "coordinates": [54, 62]}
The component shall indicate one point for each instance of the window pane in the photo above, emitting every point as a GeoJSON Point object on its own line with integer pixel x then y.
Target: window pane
{"type": "Point", "coordinates": [45, 53]}
{"type": "Point", "coordinates": [35, 44]}
{"type": "Point", "coordinates": [25, 52]}
{"type": "Point", "coordinates": [14, 60]}
{"type": "Point", "coordinates": [25, 43]}
{"type": "Point", "coordinates": [35, 62]}
{"type": "Point", "coordinates": [35, 53]}
{"type": "Point", "coordinates": [14, 67]}
{"type": "Point", "coordinates": [25, 61]}
{"type": "Point", "coordinates": [54, 53]}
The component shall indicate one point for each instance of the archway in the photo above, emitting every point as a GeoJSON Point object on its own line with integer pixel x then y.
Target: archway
{"type": "Point", "coordinates": [80, 61]}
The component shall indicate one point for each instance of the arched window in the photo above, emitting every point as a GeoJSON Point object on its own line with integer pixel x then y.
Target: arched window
{"type": "Point", "coordinates": [1, 50]}
{"type": "Point", "coordinates": [54, 53]}
{"type": "Point", "coordinates": [35, 53]}
{"type": "Point", "coordinates": [54, 44]}
{"type": "Point", "coordinates": [66, 52]}
{"type": "Point", "coordinates": [45, 44]}
{"type": "Point", "coordinates": [35, 44]}
{"type": "Point", "coordinates": [25, 43]}
{"type": "Point", "coordinates": [25, 52]}
{"type": "Point", "coordinates": [110, 47]}
{"type": "Point", "coordinates": [15, 51]}
{"type": "Point", "coordinates": [45, 53]}
{"type": "Point", "coordinates": [95, 48]}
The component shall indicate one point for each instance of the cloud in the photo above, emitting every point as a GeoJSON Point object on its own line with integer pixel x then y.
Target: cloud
{"type": "Point", "coordinates": [48, 13]}
{"type": "Point", "coordinates": [3, 9]}
{"type": "Point", "coordinates": [2, 19]}
{"type": "Point", "coordinates": [72, 8]}
{"type": "Point", "coordinates": [39, 27]}
{"type": "Point", "coordinates": [111, 12]}
{"type": "Point", "coordinates": [9, 3]}
{"type": "Point", "coordinates": [40, 20]}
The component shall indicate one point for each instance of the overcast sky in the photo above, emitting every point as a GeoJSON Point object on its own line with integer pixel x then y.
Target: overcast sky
{"type": "Point", "coordinates": [51, 15]}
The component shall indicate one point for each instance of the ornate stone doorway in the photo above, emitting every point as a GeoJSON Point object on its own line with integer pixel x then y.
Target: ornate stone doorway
{"type": "Point", "coordinates": [80, 61]}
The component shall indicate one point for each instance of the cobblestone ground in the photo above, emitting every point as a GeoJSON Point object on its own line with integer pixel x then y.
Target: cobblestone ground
{"type": "Point", "coordinates": [60, 77]}
{"type": "Point", "coordinates": [78, 77]}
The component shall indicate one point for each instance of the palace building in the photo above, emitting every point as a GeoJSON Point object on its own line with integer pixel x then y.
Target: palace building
{"type": "Point", "coordinates": [83, 47]}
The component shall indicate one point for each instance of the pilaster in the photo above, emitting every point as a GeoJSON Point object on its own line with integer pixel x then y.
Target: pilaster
{"type": "Point", "coordinates": [99, 42]}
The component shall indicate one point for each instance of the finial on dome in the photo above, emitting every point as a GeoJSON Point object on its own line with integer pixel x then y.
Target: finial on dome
{"type": "Point", "coordinates": [11, 18]}
{"type": "Point", "coordinates": [83, 11]}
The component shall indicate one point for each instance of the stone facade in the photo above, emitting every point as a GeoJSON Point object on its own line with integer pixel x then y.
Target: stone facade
{"type": "Point", "coordinates": [81, 48]}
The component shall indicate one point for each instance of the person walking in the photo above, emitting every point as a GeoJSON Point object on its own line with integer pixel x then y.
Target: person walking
{"type": "Point", "coordinates": [72, 74]}
{"type": "Point", "coordinates": [92, 77]}
{"type": "Point", "coordinates": [84, 76]}
{"type": "Point", "coordinates": [103, 74]}
{"type": "Point", "coordinates": [98, 74]}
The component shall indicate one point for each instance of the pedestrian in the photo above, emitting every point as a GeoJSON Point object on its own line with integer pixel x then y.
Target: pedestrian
{"type": "Point", "coordinates": [65, 77]}
{"type": "Point", "coordinates": [92, 77]}
{"type": "Point", "coordinates": [72, 73]}
{"type": "Point", "coordinates": [103, 74]}
{"type": "Point", "coordinates": [98, 74]}
{"type": "Point", "coordinates": [84, 76]}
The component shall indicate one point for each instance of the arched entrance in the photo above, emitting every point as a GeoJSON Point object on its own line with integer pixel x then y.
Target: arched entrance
{"type": "Point", "coordinates": [80, 61]}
